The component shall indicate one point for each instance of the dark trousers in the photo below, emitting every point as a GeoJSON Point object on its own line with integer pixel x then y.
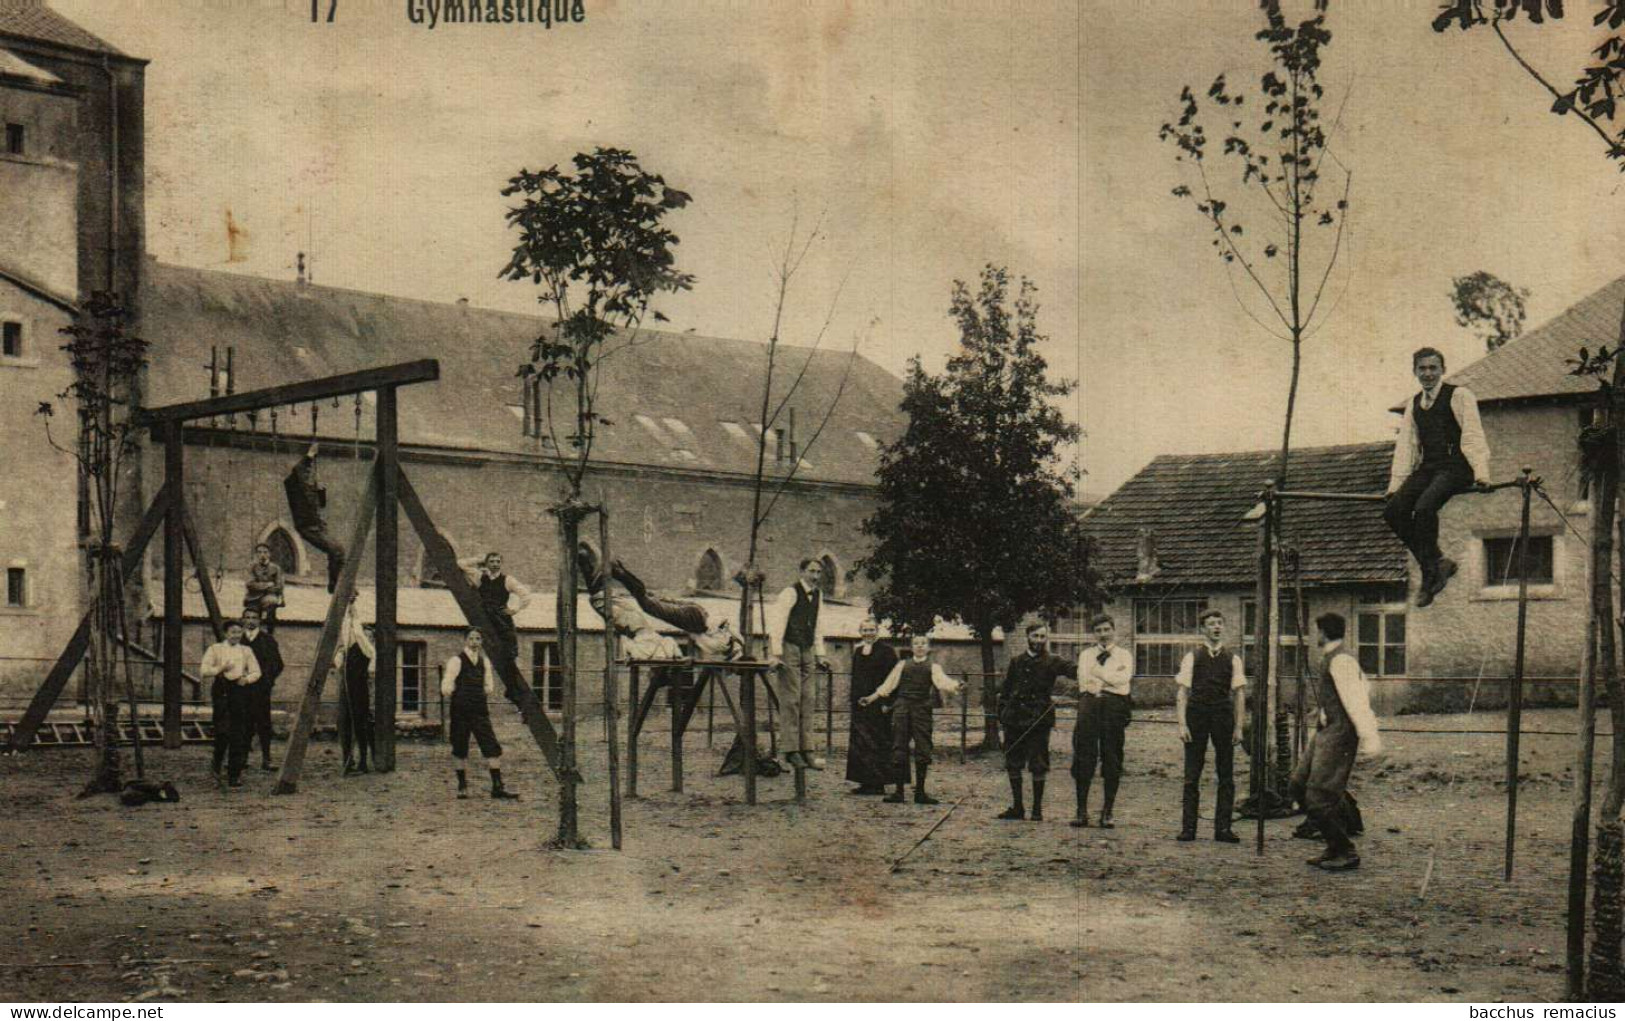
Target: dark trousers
{"type": "Point", "coordinates": [1412, 512]}
{"type": "Point", "coordinates": [1098, 738]}
{"type": "Point", "coordinates": [685, 615]}
{"type": "Point", "coordinates": [1026, 744]}
{"type": "Point", "coordinates": [355, 717]}
{"type": "Point", "coordinates": [1320, 784]}
{"type": "Point", "coordinates": [1215, 724]}
{"type": "Point", "coordinates": [911, 724]}
{"type": "Point", "coordinates": [259, 714]}
{"type": "Point", "coordinates": [471, 718]}
{"type": "Point", "coordinates": [232, 711]}
{"type": "Point", "coordinates": [315, 533]}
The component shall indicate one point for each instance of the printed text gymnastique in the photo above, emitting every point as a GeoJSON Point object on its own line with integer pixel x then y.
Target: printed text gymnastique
{"type": "Point", "coordinates": [545, 13]}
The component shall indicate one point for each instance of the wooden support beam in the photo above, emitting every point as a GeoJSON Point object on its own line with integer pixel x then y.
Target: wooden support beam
{"type": "Point", "coordinates": [174, 477]}
{"type": "Point", "coordinates": [1515, 696]}
{"type": "Point", "coordinates": [293, 761]}
{"type": "Point", "coordinates": [438, 554]}
{"type": "Point", "coordinates": [632, 729]}
{"type": "Point", "coordinates": [51, 688]}
{"type": "Point", "coordinates": [386, 553]}
{"type": "Point", "coordinates": [217, 622]}
{"type": "Point", "coordinates": [402, 374]}
{"type": "Point", "coordinates": [612, 709]}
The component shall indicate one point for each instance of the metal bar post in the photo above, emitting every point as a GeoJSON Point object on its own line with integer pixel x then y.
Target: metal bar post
{"type": "Point", "coordinates": [174, 543]}
{"type": "Point", "coordinates": [1515, 696]}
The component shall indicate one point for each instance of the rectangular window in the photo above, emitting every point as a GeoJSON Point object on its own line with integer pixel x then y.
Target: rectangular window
{"type": "Point", "coordinates": [1380, 642]}
{"type": "Point", "coordinates": [545, 675]}
{"type": "Point", "coordinates": [15, 136]}
{"type": "Point", "coordinates": [16, 586]}
{"type": "Point", "coordinates": [1501, 561]}
{"type": "Point", "coordinates": [11, 339]}
{"type": "Point", "coordinates": [414, 661]}
{"type": "Point", "coordinates": [1289, 623]}
{"type": "Point", "coordinates": [1163, 630]}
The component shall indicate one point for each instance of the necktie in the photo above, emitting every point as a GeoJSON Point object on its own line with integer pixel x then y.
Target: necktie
{"type": "Point", "coordinates": [1105, 654]}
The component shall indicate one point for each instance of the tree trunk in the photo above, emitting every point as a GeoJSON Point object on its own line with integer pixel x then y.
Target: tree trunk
{"type": "Point", "coordinates": [1607, 972]}
{"type": "Point", "coordinates": [1605, 966]}
{"type": "Point", "coordinates": [569, 833]}
{"type": "Point", "coordinates": [990, 692]}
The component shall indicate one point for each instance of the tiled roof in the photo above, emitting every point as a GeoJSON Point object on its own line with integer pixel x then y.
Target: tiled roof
{"type": "Point", "coordinates": [282, 333]}
{"type": "Point", "coordinates": [1195, 505]}
{"type": "Point", "coordinates": [33, 19]}
{"type": "Point", "coordinates": [1534, 365]}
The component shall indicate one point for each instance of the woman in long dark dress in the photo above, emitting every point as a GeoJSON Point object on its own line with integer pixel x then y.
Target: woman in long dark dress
{"type": "Point", "coordinates": [869, 745]}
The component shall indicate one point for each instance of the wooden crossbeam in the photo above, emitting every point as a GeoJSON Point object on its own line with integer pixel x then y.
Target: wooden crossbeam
{"type": "Point", "coordinates": [423, 371]}
{"type": "Point", "coordinates": [438, 554]}
{"type": "Point", "coordinates": [51, 688]}
{"type": "Point", "coordinates": [293, 761]}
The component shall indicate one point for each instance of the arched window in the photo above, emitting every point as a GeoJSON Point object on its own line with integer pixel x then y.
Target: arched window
{"type": "Point", "coordinates": [831, 582]}
{"type": "Point", "coordinates": [284, 551]}
{"type": "Point", "coordinates": [708, 575]}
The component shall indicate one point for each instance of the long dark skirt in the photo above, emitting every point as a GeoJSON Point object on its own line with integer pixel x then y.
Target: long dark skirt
{"type": "Point", "coordinates": [869, 748]}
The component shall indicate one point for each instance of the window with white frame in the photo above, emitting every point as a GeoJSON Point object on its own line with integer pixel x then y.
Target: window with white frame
{"type": "Point", "coordinates": [1379, 639]}
{"type": "Point", "coordinates": [1163, 630]}
{"type": "Point", "coordinates": [1501, 561]}
{"type": "Point", "coordinates": [545, 676]}
{"type": "Point", "coordinates": [414, 664]}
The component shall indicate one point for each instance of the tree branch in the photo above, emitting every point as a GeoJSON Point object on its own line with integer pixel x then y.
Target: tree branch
{"type": "Point", "coordinates": [1495, 24]}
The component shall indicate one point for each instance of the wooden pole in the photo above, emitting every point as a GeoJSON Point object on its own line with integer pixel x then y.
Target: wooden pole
{"type": "Point", "coordinates": [675, 697]}
{"type": "Point", "coordinates": [1515, 696]}
{"type": "Point", "coordinates": [1263, 642]}
{"type": "Point", "coordinates": [711, 711]}
{"type": "Point", "coordinates": [569, 832]}
{"type": "Point", "coordinates": [632, 678]}
{"type": "Point", "coordinates": [612, 709]}
{"type": "Point", "coordinates": [174, 540]}
{"type": "Point", "coordinates": [386, 564]}
{"type": "Point", "coordinates": [1580, 828]}
{"type": "Point", "coordinates": [747, 736]}
{"type": "Point", "coordinates": [293, 762]}
{"type": "Point", "coordinates": [829, 715]}
{"type": "Point", "coordinates": [200, 570]}
{"type": "Point", "coordinates": [964, 716]}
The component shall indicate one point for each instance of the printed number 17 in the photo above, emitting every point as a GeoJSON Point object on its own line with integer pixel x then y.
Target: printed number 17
{"type": "Point", "coordinates": [315, 9]}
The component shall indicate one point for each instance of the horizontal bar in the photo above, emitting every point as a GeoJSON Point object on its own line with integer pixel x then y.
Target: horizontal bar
{"type": "Point", "coordinates": [731, 664]}
{"type": "Point", "coordinates": [422, 371]}
{"type": "Point", "coordinates": [1300, 494]}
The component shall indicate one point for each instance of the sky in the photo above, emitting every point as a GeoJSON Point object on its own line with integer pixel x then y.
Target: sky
{"type": "Point", "coordinates": [925, 139]}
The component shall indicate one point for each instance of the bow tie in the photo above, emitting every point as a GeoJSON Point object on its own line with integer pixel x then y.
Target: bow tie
{"type": "Point", "coordinates": [1103, 656]}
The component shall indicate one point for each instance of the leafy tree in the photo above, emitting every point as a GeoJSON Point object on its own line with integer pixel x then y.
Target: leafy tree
{"type": "Point", "coordinates": [595, 243]}
{"type": "Point", "coordinates": [976, 522]}
{"type": "Point", "coordinates": [1489, 306]}
{"type": "Point", "coordinates": [1592, 98]}
{"type": "Point", "coordinates": [107, 361]}
{"type": "Point", "coordinates": [1278, 234]}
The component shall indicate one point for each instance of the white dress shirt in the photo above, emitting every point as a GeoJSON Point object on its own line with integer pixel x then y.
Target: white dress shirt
{"type": "Point", "coordinates": [945, 684]}
{"type": "Point", "coordinates": [1354, 691]}
{"type": "Point", "coordinates": [236, 663]}
{"type": "Point", "coordinates": [1474, 447]}
{"type": "Point", "coordinates": [778, 617]}
{"type": "Point", "coordinates": [1238, 673]}
{"type": "Point", "coordinates": [1115, 676]}
{"type": "Point", "coordinates": [454, 669]}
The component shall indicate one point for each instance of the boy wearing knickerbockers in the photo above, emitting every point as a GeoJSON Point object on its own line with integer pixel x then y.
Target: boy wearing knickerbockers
{"type": "Point", "coordinates": [468, 682]}
{"type": "Point", "coordinates": [913, 680]}
{"type": "Point", "coordinates": [1027, 713]}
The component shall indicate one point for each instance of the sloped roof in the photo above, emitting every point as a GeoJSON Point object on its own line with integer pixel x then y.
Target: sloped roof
{"type": "Point", "coordinates": [1535, 364]}
{"type": "Point", "coordinates": [33, 19]}
{"type": "Point", "coordinates": [1194, 505]}
{"type": "Point", "coordinates": [13, 66]}
{"type": "Point", "coordinates": [282, 332]}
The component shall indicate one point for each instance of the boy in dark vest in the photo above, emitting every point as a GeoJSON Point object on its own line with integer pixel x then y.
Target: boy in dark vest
{"type": "Point", "coordinates": [263, 644]}
{"type": "Point", "coordinates": [1348, 730]}
{"type": "Point", "coordinates": [913, 680]}
{"type": "Point", "coordinates": [795, 633]}
{"type": "Point", "coordinates": [1441, 451]}
{"type": "Point", "coordinates": [1027, 715]}
{"type": "Point", "coordinates": [263, 589]}
{"type": "Point", "coordinates": [307, 499]}
{"type": "Point", "coordinates": [468, 681]}
{"type": "Point", "coordinates": [494, 588]}
{"type": "Point", "coordinates": [1212, 691]}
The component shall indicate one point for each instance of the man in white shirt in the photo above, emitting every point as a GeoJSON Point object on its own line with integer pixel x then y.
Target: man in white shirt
{"type": "Point", "coordinates": [1441, 451]}
{"type": "Point", "coordinates": [795, 634]}
{"type": "Point", "coordinates": [230, 667]}
{"type": "Point", "coordinates": [468, 681]}
{"type": "Point", "coordinates": [1212, 692]}
{"type": "Point", "coordinates": [1348, 730]}
{"type": "Point", "coordinates": [1105, 679]}
{"type": "Point", "coordinates": [503, 597]}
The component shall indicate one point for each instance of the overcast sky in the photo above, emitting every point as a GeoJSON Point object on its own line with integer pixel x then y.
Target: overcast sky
{"type": "Point", "coordinates": [934, 136]}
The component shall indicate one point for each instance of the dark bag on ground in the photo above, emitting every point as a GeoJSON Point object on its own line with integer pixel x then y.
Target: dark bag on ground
{"type": "Point", "coordinates": [140, 792]}
{"type": "Point", "coordinates": [734, 762]}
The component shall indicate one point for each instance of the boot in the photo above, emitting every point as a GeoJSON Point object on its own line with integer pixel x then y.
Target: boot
{"type": "Point", "coordinates": [920, 797]}
{"type": "Point", "coordinates": [499, 792]}
{"type": "Point", "coordinates": [896, 797]}
{"type": "Point", "coordinates": [462, 783]}
{"type": "Point", "coordinates": [1082, 818]}
{"type": "Point", "coordinates": [1038, 800]}
{"type": "Point", "coordinates": [1018, 808]}
{"type": "Point", "coordinates": [1111, 799]}
{"type": "Point", "coordinates": [1223, 810]}
{"type": "Point", "coordinates": [1188, 812]}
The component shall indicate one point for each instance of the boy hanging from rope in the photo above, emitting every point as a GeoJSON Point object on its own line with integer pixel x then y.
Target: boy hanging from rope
{"type": "Point", "coordinates": [306, 501]}
{"type": "Point", "coordinates": [913, 680]}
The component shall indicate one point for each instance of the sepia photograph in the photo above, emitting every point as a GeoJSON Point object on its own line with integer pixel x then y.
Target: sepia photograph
{"type": "Point", "coordinates": [812, 501]}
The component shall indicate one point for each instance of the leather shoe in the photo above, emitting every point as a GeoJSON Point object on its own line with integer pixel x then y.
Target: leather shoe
{"type": "Point", "coordinates": [1227, 837]}
{"type": "Point", "coordinates": [894, 799]}
{"type": "Point", "coordinates": [1106, 821]}
{"type": "Point", "coordinates": [922, 798]}
{"type": "Point", "coordinates": [1442, 573]}
{"type": "Point", "coordinates": [1011, 813]}
{"type": "Point", "coordinates": [1185, 837]}
{"type": "Point", "coordinates": [1341, 863]}
{"type": "Point", "coordinates": [1081, 822]}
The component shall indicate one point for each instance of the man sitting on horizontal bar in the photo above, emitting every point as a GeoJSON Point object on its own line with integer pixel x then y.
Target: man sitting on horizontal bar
{"type": "Point", "coordinates": [633, 605]}
{"type": "Point", "coordinates": [1441, 451]}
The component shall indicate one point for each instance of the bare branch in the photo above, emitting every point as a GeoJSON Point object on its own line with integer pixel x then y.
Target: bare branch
{"type": "Point", "coordinates": [1218, 222]}
{"type": "Point", "coordinates": [1337, 244]}
{"type": "Point", "coordinates": [829, 412]}
{"type": "Point", "coordinates": [1536, 75]}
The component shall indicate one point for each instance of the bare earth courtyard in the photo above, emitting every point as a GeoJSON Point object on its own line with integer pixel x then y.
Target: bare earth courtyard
{"type": "Point", "coordinates": [386, 888]}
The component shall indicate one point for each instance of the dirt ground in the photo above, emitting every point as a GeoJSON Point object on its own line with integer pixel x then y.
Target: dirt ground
{"type": "Point", "coordinates": [387, 888]}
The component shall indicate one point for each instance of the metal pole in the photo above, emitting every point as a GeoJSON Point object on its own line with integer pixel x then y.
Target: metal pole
{"type": "Point", "coordinates": [964, 715]}
{"type": "Point", "coordinates": [1580, 830]}
{"type": "Point", "coordinates": [612, 711]}
{"type": "Point", "coordinates": [1515, 696]}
